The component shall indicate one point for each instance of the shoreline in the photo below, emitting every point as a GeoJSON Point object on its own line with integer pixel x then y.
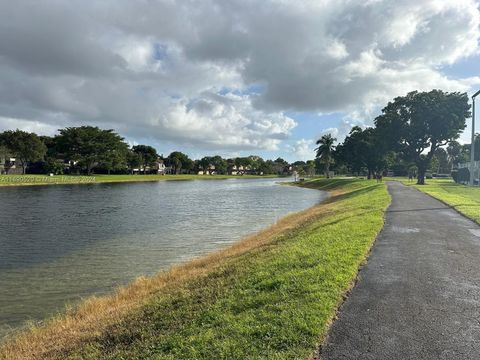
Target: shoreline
{"type": "Point", "coordinates": [69, 332]}
{"type": "Point", "coordinates": [40, 180]}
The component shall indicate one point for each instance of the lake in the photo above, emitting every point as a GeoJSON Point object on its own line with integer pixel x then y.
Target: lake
{"type": "Point", "coordinates": [62, 243]}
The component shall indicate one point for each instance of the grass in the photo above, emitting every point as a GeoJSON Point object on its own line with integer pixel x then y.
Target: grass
{"type": "Point", "coordinates": [462, 198]}
{"type": "Point", "coordinates": [24, 180]}
{"type": "Point", "coordinates": [271, 295]}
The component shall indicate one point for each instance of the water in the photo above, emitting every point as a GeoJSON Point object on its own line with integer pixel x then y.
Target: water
{"type": "Point", "coordinates": [62, 243]}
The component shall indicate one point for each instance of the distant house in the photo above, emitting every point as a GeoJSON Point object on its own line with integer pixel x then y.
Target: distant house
{"type": "Point", "coordinates": [243, 170]}
{"type": "Point", "coordinates": [287, 170]}
{"type": "Point", "coordinates": [70, 166]}
{"type": "Point", "coordinates": [232, 170]}
{"type": "Point", "coordinates": [209, 170]}
{"type": "Point", "coordinates": [239, 170]}
{"type": "Point", "coordinates": [160, 167]}
{"type": "Point", "coordinates": [8, 165]}
{"type": "Point", "coordinates": [157, 168]}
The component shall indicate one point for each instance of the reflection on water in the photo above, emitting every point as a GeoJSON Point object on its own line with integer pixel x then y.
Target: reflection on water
{"type": "Point", "coordinates": [61, 243]}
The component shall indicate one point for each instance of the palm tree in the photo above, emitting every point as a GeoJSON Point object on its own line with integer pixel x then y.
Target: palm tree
{"type": "Point", "coordinates": [325, 151]}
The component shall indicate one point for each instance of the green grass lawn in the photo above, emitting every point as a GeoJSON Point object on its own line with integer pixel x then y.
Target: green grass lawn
{"type": "Point", "coordinates": [464, 199]}
{"type": "Point", "coordinates": [274, 299]}
{"type": "Point", "coordinates": [20, 180]}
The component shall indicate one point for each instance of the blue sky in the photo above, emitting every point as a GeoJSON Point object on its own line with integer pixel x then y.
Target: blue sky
{"type": "Point", "coordinates": [311, 125]}
{"type": "Point", "coordinates": [228, 77]}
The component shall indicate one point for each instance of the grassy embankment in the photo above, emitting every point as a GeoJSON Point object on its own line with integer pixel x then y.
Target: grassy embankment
{"type": "Point", "coordinates": [271, 295]}
{"type": "Point", "coordinates": [24, 180]}
{"type": "Point", "coordinates": [464, 199]}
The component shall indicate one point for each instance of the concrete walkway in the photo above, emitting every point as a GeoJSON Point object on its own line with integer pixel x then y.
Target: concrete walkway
{"type": "Point", "coordinates": [418, 297]}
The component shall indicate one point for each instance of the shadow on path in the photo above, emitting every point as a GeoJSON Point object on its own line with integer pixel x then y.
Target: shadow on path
{"type": "Point", "coordinates": [418, 297]}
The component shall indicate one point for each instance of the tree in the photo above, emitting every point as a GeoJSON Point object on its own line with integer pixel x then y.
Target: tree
{"type": "Point", "coordinates": [420, 122]}
{"type": "Point", "coordinates": [220, 164]}
{"type": "Point", "coordinates": [310, 168]}
{"type": "Point", "coordinates": [348, 152]}
{"type": "Point", "coordinates": [280, 166]}
{"type": "Point", "coordinates": [134, 160]}
{"type": "Point", "coordinates": [24, 146]}
{"type": "Point", "coordinates": [325, 151]}
{"type": "Point", "coordinates": [178, 161]}
{"type": "Point", "coordinates": [53, 166]}
{"type": "Point", "coordinates": [254, 163]}
{"type": "Point", "coordinates": [147, 155]}
{"type": "Point", "coordinates": [442, 165]}
{"type": "Point", "coordinates": [89, 146]}
{"type": "Point", "coordinates": [115, 158]}
{"type": "Point", "coordinates": [204, 163]}
{"type": "Point", "coordinates": [267, 167]}
{"type": "Point", "coordinates": [455, 153]}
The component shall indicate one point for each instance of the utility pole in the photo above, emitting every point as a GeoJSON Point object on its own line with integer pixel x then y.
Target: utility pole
{"type": "Point", "coordinates": [472, 147]}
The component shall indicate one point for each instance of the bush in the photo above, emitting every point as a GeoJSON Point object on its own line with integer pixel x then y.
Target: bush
{"type": "Point", "coordinates": [454, 174]}
{"type": "Point", "coordinates": [463, 175]}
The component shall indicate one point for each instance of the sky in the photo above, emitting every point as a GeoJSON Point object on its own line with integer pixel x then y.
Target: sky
{"type": "Point", "coordinates": [234, 78]}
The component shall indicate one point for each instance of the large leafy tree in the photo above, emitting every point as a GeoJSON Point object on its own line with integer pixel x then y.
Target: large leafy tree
{"type": "Point", "coordinates": [147, 156]}
{"type": "Point", "coordinates": [267, 167]}
{"type": "Point", "coordinates": [115, 158]}
{"type": "Point", "coordinates": [220, 164]}
{"type": "Point", "coordinates": [280, 165]}
{"type": "Point", "coordinates": [352, 151]}
{"type": "Point", "coordinates": [420, 122]}
{"type": "Point", "coordinates": [204, 163]}
{"type": "Point", "coordinates": [90, 146]}
{"type": "Point", "coordinates": [178, 161]}
{"type": "Point", "coordinates": [53, 162]}
{"type": "Point", "coordinates": [134, 160]}
{"type": "Point", "coordinates": [24, 146]}
{"type": "Point", "coordinates": [362, 149]}
{"type": "Point", "coordinates": [324, 151]}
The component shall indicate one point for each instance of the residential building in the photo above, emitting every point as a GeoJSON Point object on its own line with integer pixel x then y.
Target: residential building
{"type": "Point", "coordinates": [8, 165]}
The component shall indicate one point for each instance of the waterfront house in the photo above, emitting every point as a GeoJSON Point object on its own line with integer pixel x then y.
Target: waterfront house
{"type": "Point", "coordinates": [160, 167]}
{"type": "Point", "coordinates": [209, 170]}
{"type": "Point", "coordinates": [239, 170]}
{"type": "Point", "coordinates": [233, 170]}
{"type": "Point", "coordinates": [157, 168]}
{"type": "Point", "coordinates": [8, 165]}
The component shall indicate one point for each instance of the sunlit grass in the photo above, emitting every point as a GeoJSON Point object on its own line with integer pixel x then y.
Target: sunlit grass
{"type": "Point", "coordinates": [271, 295]}
{"type": "Point", "coordinates": [462, 198]}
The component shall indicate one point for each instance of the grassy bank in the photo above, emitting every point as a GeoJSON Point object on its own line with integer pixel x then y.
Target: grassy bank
{"type": "Point", "coordinates": [25, 180]}
{"type": "Point", "coordinates": [271, 295]}
{"type": "Point", "coordinates": [464, 199]}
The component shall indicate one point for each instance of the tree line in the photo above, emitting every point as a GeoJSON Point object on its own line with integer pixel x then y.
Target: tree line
{"type": "Point", "coordinates": [88, 149]}
{"type": "Point", "coordinates": [413, 134]}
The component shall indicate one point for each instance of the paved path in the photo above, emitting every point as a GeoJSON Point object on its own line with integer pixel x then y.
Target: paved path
{"type": "Point", "coordinates": [418, 297]}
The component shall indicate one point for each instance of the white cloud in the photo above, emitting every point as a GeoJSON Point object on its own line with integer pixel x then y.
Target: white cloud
{"type": "Point", "coordinates": [169, 69]}
{"type": "Point", "coordinates": [303, 149]}
{"type": "Point", "coordinates": [227, 121]}
{"type": "Point", "coordinates": [332, 131]}
{"type": "Point", "coordinates": [337, 50]}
